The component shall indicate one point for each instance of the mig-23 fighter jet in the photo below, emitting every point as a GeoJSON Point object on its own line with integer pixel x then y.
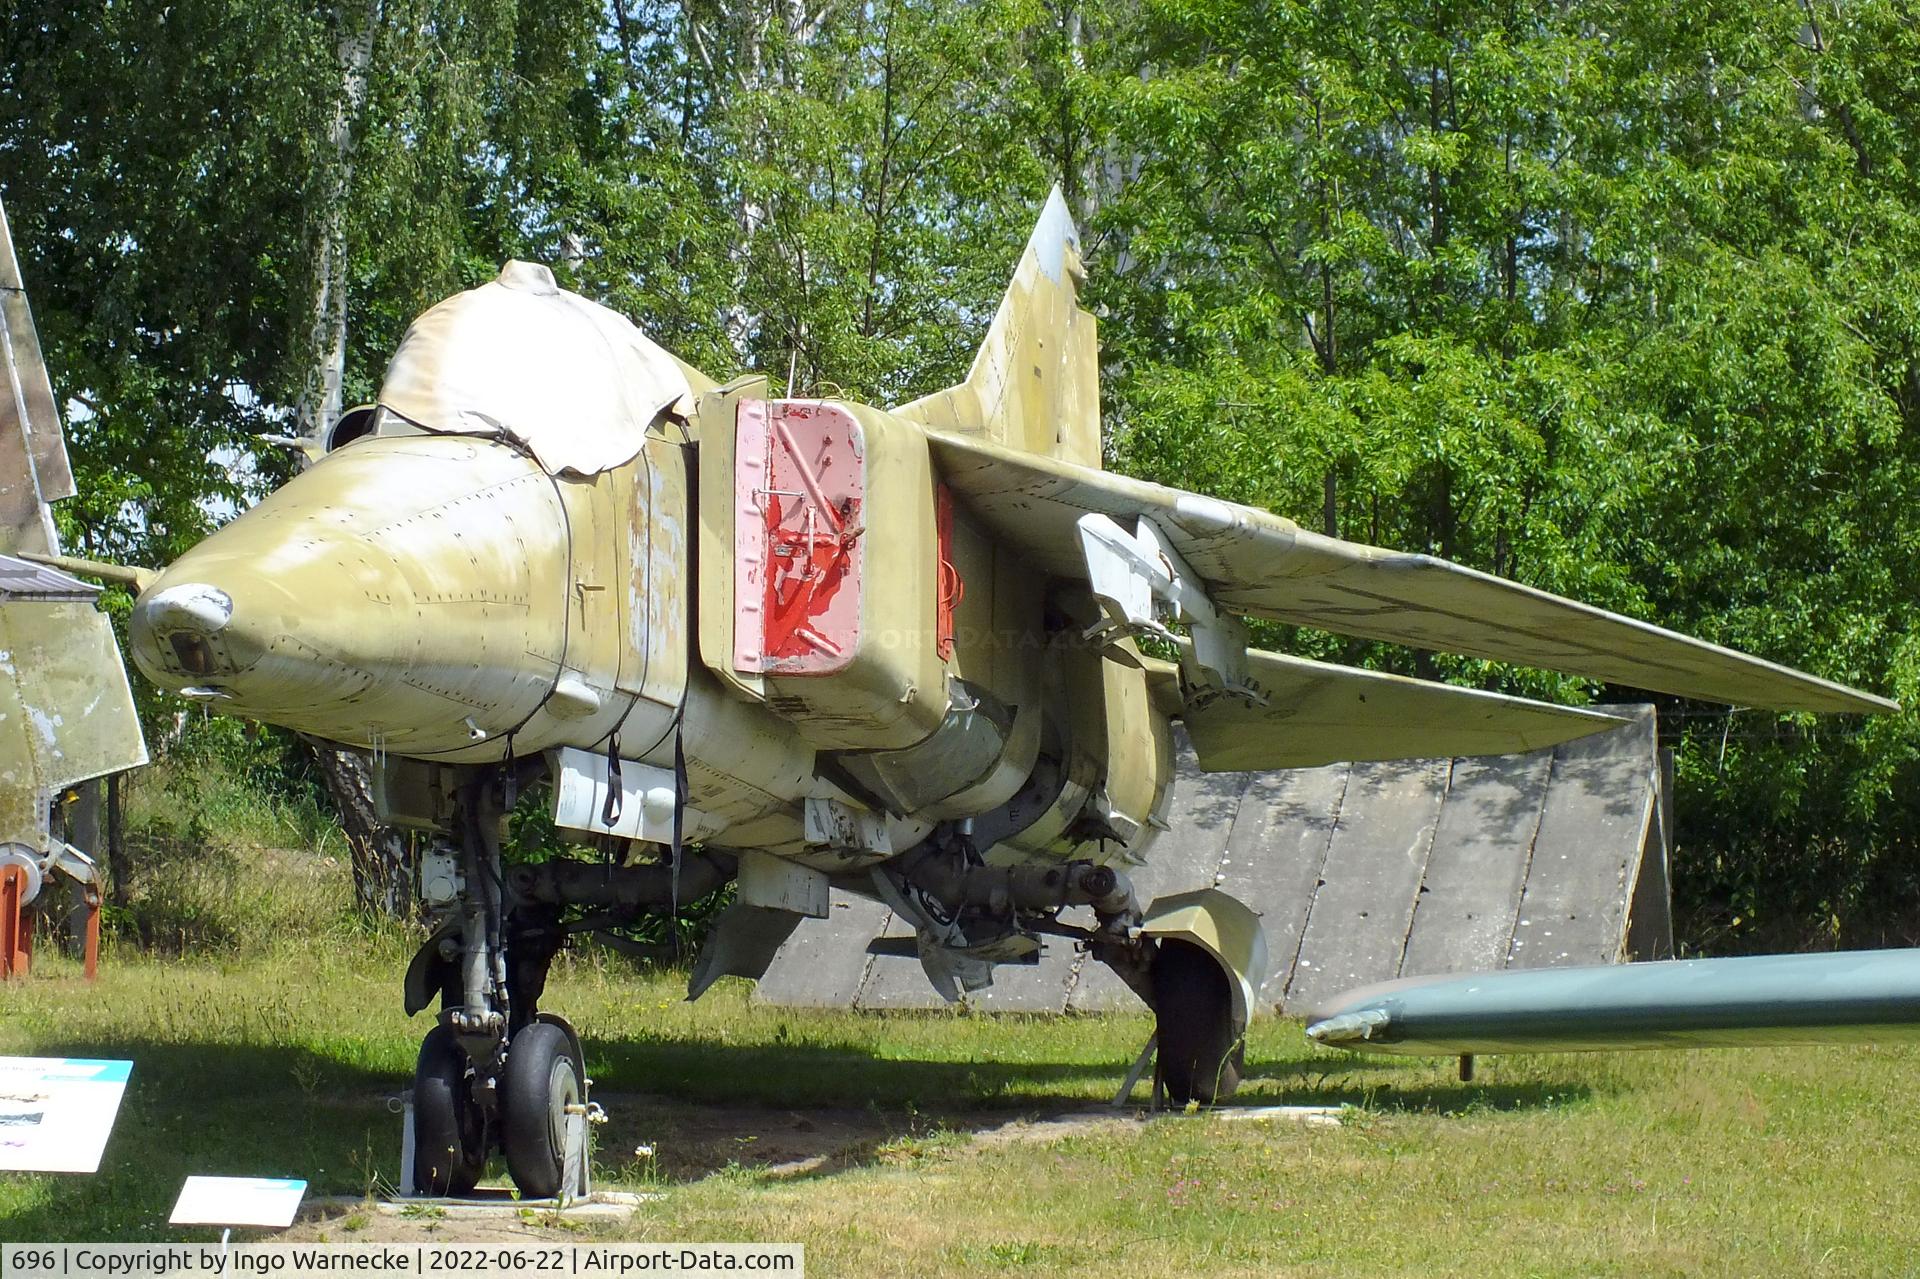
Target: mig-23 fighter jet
{"type": "Point", "coordinates": [805, 644]}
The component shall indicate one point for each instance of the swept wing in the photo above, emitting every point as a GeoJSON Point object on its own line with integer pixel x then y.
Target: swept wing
{"type": "Point", "coordinates": [1258, 564]}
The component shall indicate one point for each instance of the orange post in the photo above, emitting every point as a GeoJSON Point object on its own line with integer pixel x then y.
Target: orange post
{"type": "Point", "coordinates": [16, 929]}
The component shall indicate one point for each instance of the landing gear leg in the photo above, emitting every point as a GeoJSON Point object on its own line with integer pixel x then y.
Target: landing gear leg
{"type": "Point", "coordinates": [456, 1084]}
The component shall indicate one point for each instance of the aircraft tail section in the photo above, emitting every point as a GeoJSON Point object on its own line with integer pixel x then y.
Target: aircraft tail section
{"type": "Point", "coordinates": [1035, 382]}
{"type": "Point", "coordinates": [33, 453]}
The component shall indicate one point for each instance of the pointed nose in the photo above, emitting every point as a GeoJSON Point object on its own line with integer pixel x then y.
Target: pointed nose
{"type": "Point", "coordinates": [280, 629]}
{"type": "Point", "coordinates": [410, 592]}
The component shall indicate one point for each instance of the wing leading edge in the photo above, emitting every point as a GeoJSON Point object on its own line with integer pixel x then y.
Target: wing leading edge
{"type": "Point", "coordinates": [1258, 564]}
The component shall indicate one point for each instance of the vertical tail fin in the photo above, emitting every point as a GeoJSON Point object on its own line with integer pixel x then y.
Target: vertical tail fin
{"type": "Point", "coordinates": [1035, 383]}
{"type": "Point", "coordinates": [33, 453]}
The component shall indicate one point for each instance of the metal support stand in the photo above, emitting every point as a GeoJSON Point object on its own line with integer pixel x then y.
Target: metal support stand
{"type": "Point", "coordinates": [1149, 1056]}
{"type": "Point", "coordinates": [575, 1173]}
{"type": "Point", "coordinates": [407, 1146]}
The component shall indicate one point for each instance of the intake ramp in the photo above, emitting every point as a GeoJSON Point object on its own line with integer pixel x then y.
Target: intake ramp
{"type": "Point", "coordinates": [1360, 873]}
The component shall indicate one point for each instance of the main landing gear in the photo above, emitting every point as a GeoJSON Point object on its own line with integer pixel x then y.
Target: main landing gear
{"type": "Point", "coordinates": [1202, 1045]}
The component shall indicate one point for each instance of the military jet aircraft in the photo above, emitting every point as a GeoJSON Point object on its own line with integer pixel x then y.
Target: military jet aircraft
{"type": "Point", "coordinates": [927, 653]}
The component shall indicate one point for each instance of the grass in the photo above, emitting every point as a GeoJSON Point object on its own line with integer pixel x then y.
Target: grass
{"type": "Point", "coordinates": [283, 1062]}
{"type": "Point", "coordinates": [267, 1039]}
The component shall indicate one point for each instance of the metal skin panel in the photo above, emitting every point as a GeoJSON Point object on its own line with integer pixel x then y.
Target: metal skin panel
{"type": "Point", "coordinates": [33, 452]}
{"type": "Point", "coordinates": [1222, 927]}
{"type": "Point", "coordinates": [1318, 713]}
{"type": "Point", "coordinates": [66, 713]}
{"type": "Point", "coordinates": [22, 345]}
{"type": "Point", "coordinates": [717, 420]}
{"type": "Point", "coordinates": [799, 538]}
{"type": "Point", "coordinates": [657, 604]}
{"type": "Point", "coordinates": [445, 565]}
{"type": "Point", "coordinates": [1847, 997]}
{"type": "Point", "coordinates": [1035, 382]}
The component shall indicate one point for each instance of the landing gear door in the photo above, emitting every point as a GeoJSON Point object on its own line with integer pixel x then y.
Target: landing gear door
{"type": "Point", "coordinates": [717, 415]}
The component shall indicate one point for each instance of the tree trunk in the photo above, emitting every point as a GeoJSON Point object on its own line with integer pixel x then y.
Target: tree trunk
{"type": "Point", "coordinates": [118, 870]}
{"type": "Point", "coordinates": [382, 856]}
{"type": "Point", "coordinates": [320, 404]}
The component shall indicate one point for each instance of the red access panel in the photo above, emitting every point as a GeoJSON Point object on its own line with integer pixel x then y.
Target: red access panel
{"type": "Point", "coordinates": [799, 489]}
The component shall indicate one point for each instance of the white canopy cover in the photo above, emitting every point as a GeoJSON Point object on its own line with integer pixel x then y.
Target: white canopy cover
{"type": "Point", "coordinates": [575, 382]}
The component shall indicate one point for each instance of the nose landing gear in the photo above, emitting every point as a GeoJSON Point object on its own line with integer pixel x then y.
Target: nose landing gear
{"type": "Point", "coordinates": [493, 1072]}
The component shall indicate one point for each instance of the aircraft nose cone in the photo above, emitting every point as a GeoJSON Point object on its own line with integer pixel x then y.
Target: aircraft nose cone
{"type": "Point", "coordinates": [409, 592]}
{"type": "Point", "coordinates": [181, 626]}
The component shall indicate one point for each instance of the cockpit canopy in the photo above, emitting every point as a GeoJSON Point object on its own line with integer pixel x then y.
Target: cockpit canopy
{"type": "Point", "coordinates": [521, 358]}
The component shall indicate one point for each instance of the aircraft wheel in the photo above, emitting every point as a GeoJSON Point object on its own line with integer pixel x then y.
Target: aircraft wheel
{"type": "Point", "coordinates": [540, 1084]}
{"type": "Point", "coordinates": [1200, 1050]}
{"type": "Point", "coordinates": [449, 1131]}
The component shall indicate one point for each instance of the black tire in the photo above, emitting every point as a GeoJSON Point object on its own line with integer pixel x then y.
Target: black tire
{"type": "Point", "coordinates": [1201, 1051]}
{"type": "Point", "coordinates": [541, 1082]}
{"type": "Point", "coordinates": [449, 1131]}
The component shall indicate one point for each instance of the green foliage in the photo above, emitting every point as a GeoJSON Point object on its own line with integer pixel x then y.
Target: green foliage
{"type": "Point", "coordinates": [1614, 297]}
{"type": "Point", "coordinates": [232, 848]}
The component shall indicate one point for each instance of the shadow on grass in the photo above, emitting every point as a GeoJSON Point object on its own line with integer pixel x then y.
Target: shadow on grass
{"type": "Point", "coordinates": [803, 1109]}
{"type": "Point", "coordinates": [1331, 1084]}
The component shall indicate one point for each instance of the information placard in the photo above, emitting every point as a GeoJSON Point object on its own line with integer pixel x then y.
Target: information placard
{"type": "Point", "coordinates": [238, 1201]}
{"type": "Point", "coordinates": [56, 1112]}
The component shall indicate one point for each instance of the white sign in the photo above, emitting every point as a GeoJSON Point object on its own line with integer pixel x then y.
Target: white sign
{"type": "Point", "coordinates": [238, 1201]}
{"type": "Point", "coordinates": [56, 1112]}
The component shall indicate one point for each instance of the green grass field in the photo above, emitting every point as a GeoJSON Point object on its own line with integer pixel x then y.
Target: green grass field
{"type": "Point", "coordinates": [276, 1046]}
{"type": "Point", "coordinates": [283, 1063]}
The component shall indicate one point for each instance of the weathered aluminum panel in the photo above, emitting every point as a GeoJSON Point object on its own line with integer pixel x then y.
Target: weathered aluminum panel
{"type": "Point", "coordinates": [1481, 855]}
{"type": "Point", "coordinates": [66, 711]}
{"type": "Point", "coordinates": [21, 580]}
{"type": "Point", "coordinates": [583, 797]}
{"type": "Point", "coordinates": [823, 963]}
{"type": "Point", "coordinates": [1276, 856]}
{"type": "Point", "coordinates": [22, 344]}
{"type": "Point", "coordinates": [1587, 855]}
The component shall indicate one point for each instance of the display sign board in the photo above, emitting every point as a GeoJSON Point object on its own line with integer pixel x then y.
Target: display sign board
{"type": "Point", "coordinates": [238, 1201]}
{"type": "Point", "coordinates": [56, 1112]}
